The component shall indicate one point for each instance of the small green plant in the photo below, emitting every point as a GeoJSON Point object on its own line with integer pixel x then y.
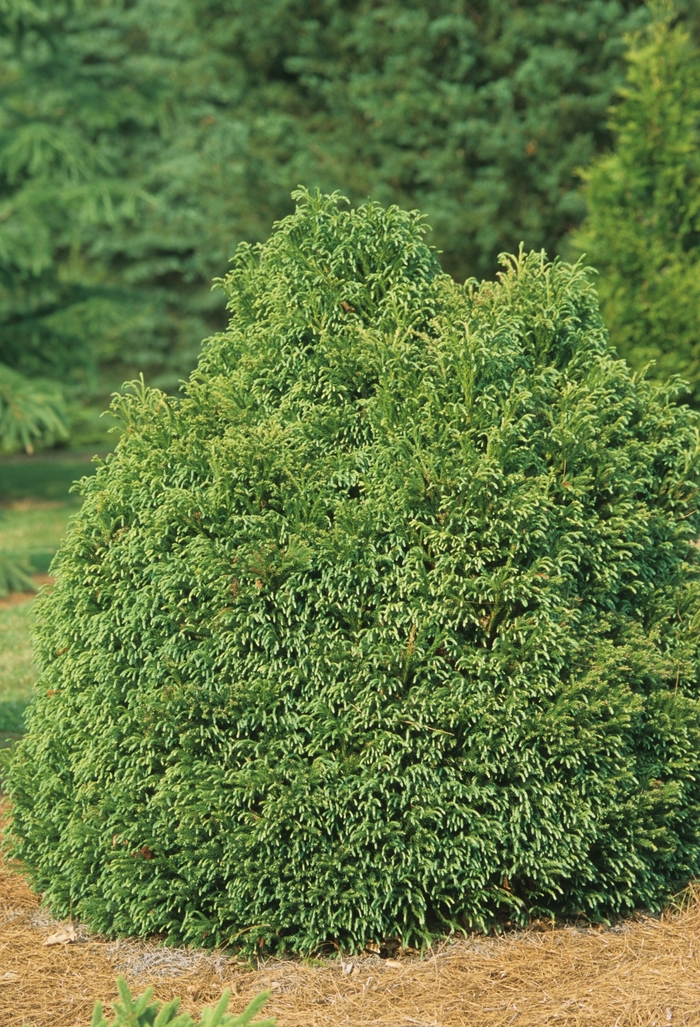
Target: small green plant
{"type": "Point", "coordinates": [143, 1012]}
{"type": "Point", "coordinates": [389, 627]}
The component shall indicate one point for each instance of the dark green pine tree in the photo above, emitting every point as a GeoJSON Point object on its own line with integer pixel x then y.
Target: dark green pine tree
{"type": "Point", "coordinates": [141, 141]}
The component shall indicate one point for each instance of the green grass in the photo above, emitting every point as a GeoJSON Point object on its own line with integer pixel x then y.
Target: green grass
{"type": "Point", "coordinates": [36, 507]}
{"type": "Point", "coordinates": [17, 670]}
{"type": "Point", "coordinates": [34, 530]}
{"type": "Point", "coordinates": [43, 476]}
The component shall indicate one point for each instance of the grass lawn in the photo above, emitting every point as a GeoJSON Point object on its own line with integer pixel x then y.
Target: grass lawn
{"type": "Point", "coordinates": [32, 529]}
{"type": "Point", "coordinates": [36, 507]}
{"type": "Point", "coordinates": [17, 672]}
{"type": "Point", "coordinates": [45, 476]}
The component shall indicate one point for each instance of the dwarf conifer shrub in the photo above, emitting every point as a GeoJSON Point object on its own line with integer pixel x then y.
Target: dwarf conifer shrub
{"type": "Point", "coordinates": [389, 626]}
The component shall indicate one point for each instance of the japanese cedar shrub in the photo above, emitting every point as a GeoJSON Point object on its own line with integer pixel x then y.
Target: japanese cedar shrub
{"type": "Point", "coordinates": [388, 626]}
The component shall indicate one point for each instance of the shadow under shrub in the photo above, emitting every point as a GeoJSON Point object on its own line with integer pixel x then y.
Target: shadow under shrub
{"type": "Point", "coordinates": [389, 626]}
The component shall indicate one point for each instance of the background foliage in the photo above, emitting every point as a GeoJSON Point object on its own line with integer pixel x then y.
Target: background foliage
{"type": "Point", "coordinates": [389, 626]}
{"type": "Point", "coordinates": [141, 141]}
{"type": "Point", "coordinates": [643, 226]}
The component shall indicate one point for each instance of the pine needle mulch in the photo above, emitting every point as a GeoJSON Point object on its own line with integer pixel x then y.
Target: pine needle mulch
{"type": "Point", "coordinates": [643, 972]}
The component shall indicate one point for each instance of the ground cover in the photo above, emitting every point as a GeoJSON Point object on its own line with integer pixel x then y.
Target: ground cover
{"type": "Point", "coordinates": [642, 972]}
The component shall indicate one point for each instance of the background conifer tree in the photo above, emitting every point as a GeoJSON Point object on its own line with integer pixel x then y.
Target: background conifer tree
{"type": "Point", "coordinates": [643, 228]}
{"type": "Point", "coordinates": [141, 141]}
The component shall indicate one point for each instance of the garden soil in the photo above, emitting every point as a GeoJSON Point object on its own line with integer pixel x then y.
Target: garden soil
{"type": "Point", "coordinates": [644, 971]}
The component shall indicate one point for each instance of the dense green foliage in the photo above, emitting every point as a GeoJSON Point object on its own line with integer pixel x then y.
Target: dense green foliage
{"type": "Point", "coordinates": [140, 141]}
{"type": "Point", "coordinates": [390, 625]}
{"type": "Point", "coordinates": [643, 229]}
{"type": "Point", "coordinates": [30, 412]}
{"type": "Point", "coordinates": [143, 1012]}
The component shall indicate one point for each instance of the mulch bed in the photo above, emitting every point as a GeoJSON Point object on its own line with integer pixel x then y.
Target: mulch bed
{"type": "Point", "coordinates": [644, 971]}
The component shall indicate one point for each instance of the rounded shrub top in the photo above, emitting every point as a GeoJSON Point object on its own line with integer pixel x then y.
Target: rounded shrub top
{"type": "Point", "coordinates": [388, 627]}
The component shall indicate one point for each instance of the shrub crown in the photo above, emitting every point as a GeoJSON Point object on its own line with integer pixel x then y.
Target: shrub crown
{"type": "Point", "coordinates": [388, 627]}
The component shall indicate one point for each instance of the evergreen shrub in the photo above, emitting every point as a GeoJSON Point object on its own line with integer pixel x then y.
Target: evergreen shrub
{"type": "Point", "coordinates": [388, 626]}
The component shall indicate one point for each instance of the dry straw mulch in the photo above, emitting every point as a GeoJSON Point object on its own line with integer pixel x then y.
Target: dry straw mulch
{"type": "Point", "coordinates": [643, 972]}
